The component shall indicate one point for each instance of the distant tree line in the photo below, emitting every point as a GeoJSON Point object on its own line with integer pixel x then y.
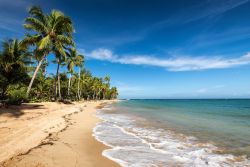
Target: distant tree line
{"type": "Point", "coordinates": [23, 63]}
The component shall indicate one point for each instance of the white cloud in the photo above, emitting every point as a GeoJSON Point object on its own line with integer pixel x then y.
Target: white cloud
{"type": "Point", "coordinates": [172, 64]}
{"type": "Point", "coordinates": [102, 54]}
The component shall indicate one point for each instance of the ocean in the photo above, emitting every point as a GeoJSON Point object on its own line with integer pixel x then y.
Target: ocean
{"type": "Point", "coordinates": [149, 133]}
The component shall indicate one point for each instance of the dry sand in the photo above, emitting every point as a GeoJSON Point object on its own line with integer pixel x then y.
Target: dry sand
{"type": "Point", "coordinates": [51, 135]}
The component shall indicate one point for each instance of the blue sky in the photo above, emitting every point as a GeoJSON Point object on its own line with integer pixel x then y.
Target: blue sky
{"type": "Point", "coordinates": [156, 48]}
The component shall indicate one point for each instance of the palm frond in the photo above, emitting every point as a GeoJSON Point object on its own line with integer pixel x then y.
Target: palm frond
{"type": "Point", "coordinates": [56, 14]}
{"type": "Point", "coordinates": [64, 39]}
{"type": "Point", "coordinates": [37, 12]}
{"type": "Point", "coordinates": [44, 43]}
{"type": "Point", "coordinates": [30, 40]}
{"type": "Point", "coordinates": [79, 60]}
{"type": "Point", "coordinates": [70, 66]}
{"type": "Point", "coordinates": [35, 24]}
{"type": "Point", "coordinates": [59, 48]}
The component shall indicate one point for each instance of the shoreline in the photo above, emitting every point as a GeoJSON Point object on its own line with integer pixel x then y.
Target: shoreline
{"type": "Point", "coordinates": [141, 134]}
{"type": "Point", "coordinates": [66, 142]}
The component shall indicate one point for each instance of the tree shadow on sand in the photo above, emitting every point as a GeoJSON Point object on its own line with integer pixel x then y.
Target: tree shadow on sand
{"type": "Point", "coordinates": [17, 111]}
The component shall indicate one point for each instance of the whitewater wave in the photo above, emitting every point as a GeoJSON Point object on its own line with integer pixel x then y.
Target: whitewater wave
{"type": "Point", "coordinates": [137, 146]}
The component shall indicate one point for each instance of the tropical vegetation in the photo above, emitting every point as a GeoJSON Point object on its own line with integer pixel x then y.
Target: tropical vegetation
{"type": "Point", "coordinates": [23, 64]}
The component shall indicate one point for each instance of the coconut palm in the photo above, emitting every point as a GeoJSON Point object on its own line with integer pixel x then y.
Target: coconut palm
{"type": "Point", "coordinates": [86, 83]}
{"type": "Point", "coordinates": [57, 88]}
{"type": "Point", "coordinates": [95, 87]}
{"type": "Point", "coordinates": [70, 68]}
{"type": "Point", "coordinates": [13, 61]}
{"type": "Point", "coordinates": [47, 34]}
{"type": "Point", "coordinates": [107, 79]}
{"type": "Point", "coordinates": [105, 86]}
{"type": "Point", "coordinates": [79, 60]}
{"type": "Point", "coordinates": [113, 93]}
{"type": "Point", "coordinates": [50, 33]}
{"type": "Point", "coordinates": [71, 59]}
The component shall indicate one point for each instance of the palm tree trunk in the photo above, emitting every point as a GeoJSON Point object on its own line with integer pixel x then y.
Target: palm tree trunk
{"type": "Point", "coordinates": [97, 95]}
{"type": "Point", "coordinates": [55, 88]}
{"type": "Point", "coordinates": [104, 96]}
{"type": "Point", "coordinates": [78, 86]}
{"type": "Point", "coordinates": [58, 80]}
{"type": "Point", "coordinates": [59, 86]}
{"type": "Point", "coordinates": [69, 84]}
{"type": "Point", "coordinates": [34, 75]}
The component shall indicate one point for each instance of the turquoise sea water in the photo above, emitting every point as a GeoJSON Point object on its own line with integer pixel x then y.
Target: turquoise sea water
{"type": "Point", "coordinates": [177, 132]}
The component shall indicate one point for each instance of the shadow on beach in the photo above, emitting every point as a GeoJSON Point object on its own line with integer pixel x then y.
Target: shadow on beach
{"type": "Point", "coordinates": [17, 111]}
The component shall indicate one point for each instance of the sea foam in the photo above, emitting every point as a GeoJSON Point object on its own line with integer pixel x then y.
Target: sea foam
{"type": "Point", "coordinates": [135, 146]}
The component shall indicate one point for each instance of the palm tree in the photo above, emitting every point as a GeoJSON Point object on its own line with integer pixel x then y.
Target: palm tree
{"type": "Point", "coordinates": [113, 93]}
{"type": "Point", "coordinates": [79, 60]}
{"type": "Point", "coordinates": [99, 88]}
{"type": "Point", "coordinates": [105, 86]}
{"type": "Point", "coordinates": [70, 68]}
{"type": "Point", "coordinates": [51, 32]}
{"type": "Point", "coordinates": [71, 59]}
{"type": "Point", "coordinates": [95, 87]}
{"type": "Point", "coordinates": [13, 61]}
{"type": "Point", "coordinates": [107, 79]}
{"type": "Point", "coordinates": [87, 81]}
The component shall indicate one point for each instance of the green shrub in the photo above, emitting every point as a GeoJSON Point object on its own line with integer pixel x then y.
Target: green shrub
{"type": "Point", "coordinates": [16, 95]}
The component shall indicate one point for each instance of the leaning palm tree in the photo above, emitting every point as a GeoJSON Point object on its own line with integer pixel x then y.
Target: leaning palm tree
{"type": "Point", "coordinates": [50, 32]}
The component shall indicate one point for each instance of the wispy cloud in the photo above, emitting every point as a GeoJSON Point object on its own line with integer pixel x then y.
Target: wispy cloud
{"type": "Point", "coordinates": [204, 10]}
{"type": "Point", "coordinates": [210, 8]}
{"type": "Point", "coordinates": [216, 38]}
{"type": "Point", "coordinates": [186, 63]}
{"type": "Point", "coordinates": [9, 24]}
{"type": "Point", "coordinates": [10, 18]}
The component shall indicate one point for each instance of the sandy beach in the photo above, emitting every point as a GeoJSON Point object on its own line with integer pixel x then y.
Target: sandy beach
{"type": "Point", "coordinates": [50, 135]}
